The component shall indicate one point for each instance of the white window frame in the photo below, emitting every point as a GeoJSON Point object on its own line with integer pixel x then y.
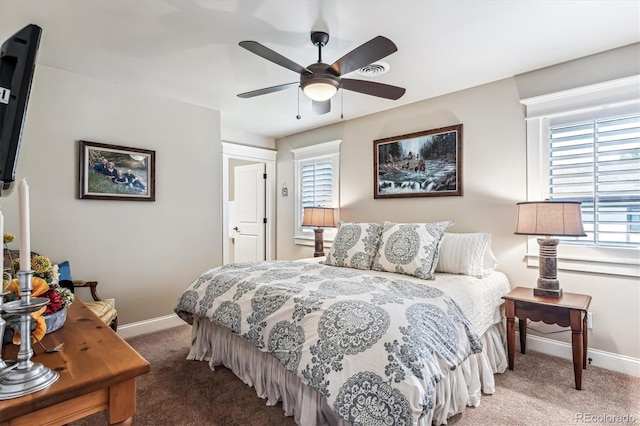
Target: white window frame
{"type": "Point", "coordinates": [615, 93]}
{"type": "Point", "coordinates": [322, 151]}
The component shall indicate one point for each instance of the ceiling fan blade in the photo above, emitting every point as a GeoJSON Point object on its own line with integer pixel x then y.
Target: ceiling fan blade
{"type": "Point", "coordinates": [373, 50]}
{"type": "Point", "coordinates": [273, 56]}
{"type": "Point", "coordinates": [268, 90]}
{"type": "Point", "coordinates": [372, 88]}
{"type": "Point", "coordinates": [321, 107]}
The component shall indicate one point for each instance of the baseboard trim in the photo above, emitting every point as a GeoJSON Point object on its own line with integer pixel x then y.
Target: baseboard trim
{"type": "Point", "coordinates": [620, 363]}
{"type": "Point", "coordinates": [149, 326]}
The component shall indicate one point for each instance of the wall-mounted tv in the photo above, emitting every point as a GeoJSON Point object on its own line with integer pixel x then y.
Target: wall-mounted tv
{"type": "Point", "coordinates": [17, 63]}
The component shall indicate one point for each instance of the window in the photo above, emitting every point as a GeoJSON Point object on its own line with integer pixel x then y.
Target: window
{"type": "Point", "coordinates": [597, 162]}
{"type": "Point", "coordinates": [584, 145]}
{"type": "Point", "coordinates": [317, 170]}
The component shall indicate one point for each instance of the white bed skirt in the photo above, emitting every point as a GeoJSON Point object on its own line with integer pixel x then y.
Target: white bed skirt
{"type": "Point", "coordinates": [273, 382]}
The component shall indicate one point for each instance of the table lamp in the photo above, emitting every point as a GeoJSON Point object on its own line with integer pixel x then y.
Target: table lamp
{"type": "Point", "coordinates": [547, 218]}
{"type": "Point", "coordinates": [319, 217]}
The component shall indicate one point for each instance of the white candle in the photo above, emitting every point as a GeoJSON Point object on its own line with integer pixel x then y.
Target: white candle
{"type": "Point", "coordinates": [25, 228]}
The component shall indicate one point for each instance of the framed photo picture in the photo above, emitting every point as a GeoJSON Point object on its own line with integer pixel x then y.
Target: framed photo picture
{"type": "Point", "coordinates": [422, 164]}
{"type": "Point", "coordinates": [112, 172]}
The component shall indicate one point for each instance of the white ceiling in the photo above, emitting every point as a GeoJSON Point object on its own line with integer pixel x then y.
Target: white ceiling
{"type": "Point", "coordinates": [188, 50]}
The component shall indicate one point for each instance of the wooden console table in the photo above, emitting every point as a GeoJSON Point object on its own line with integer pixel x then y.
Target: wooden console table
{"type": "Point", "coordinates": [98, 371]}
{"type": "Point", "coordinates": [570, 310]}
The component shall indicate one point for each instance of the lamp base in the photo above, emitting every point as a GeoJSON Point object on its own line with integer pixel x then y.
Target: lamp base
{"type": "Point", "coordinates": [548, 284]}
{"type": "Point", "coordinates": [547, 292]}
{"type": "Point", "coordinates": [319, 242]}
{"type": "Point", "coordinates": [548, 287]}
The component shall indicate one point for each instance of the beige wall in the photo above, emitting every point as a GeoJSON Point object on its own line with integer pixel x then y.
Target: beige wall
{"type": "Point", "coordinates": [142, 253]}
{"type": "Point", "coordinates": [494, 179]}
{"type": "Point", "coordinates": [593, 69]}
{"type": "Point", "coordinates": [245, 138]}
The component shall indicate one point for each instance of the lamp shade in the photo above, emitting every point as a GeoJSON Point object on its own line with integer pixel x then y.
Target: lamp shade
{"type": "Point", "coordinates": [559, 218]}
{"type": "Point", "coordinates": [319, 217]}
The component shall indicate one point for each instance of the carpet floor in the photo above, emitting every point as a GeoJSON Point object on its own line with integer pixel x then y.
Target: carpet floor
{"type": "Point", "coordinates": [539, 391]}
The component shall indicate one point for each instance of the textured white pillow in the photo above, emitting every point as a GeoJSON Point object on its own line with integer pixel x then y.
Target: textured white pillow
{"type": "Point", "coordinates": [355, 245]}
{"type": "Point", "coordinates": [410, 248]}
{"type": "Point", "coordinates": [466, 254]}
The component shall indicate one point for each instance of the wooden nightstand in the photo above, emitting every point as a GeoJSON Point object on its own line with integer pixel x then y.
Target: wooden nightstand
{"type": "Point", "coordinates": [570, 310]}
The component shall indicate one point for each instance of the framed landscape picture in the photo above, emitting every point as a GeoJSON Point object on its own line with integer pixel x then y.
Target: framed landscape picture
{"type": "Point", "coordinates": [112, 172]}
{"type": "Point", "coordinates": [422, 164]}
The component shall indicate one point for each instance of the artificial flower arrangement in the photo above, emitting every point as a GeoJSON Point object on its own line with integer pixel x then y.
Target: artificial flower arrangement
{"type": "Point", "coordinates": [44, 284]}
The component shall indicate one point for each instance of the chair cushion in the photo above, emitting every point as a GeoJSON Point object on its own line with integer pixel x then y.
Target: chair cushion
{"type": "Point", "coordinates": [103, 309]}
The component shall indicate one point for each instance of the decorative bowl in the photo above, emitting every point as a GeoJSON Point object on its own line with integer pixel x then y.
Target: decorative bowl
{"type": "Point", "coordinates": [55, 320]}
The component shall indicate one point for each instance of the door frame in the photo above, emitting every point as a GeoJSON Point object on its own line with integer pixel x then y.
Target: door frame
{"type": "Point", "coordinates": [258, 155]}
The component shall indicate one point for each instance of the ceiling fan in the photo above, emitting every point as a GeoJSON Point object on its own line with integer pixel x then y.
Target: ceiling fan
{"type": "Point", "coordinates": [321, 81]}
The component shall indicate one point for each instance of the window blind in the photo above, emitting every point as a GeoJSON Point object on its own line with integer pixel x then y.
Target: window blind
{"type": "Point", "coordinates": [316, 184]}
{"type": "Point", "coordinates": [597, 162]}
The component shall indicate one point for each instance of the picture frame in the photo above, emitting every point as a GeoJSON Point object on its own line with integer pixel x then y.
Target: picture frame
{"type": "Point", "coordinates": [421, 164]}
{"type": "Point", "coordinates": [114, 172]}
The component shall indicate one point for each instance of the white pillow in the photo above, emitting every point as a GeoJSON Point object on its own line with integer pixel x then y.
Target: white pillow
{"type": "Point", "coordinates": [466, 254]}
{"type": "Point", "coordinates": [355, 245]}
{"type": "Point", "coordinates": [410, 248]}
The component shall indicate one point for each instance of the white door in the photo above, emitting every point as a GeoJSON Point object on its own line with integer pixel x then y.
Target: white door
{"type": "Point", "coordinates": [248, 224]}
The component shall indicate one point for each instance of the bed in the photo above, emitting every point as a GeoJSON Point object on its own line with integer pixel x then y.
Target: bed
{"type": "Point", "coordinates": [356, 338]}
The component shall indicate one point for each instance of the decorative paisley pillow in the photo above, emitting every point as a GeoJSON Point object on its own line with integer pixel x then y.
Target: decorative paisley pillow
{"type": "Point", "coordinates": [355, 245]}
{"type": "Point", "coordinates": [410, 248]}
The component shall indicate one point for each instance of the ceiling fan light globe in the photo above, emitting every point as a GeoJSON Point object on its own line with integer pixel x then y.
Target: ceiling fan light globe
{"type": "Point", "coordinates": [320, 91]}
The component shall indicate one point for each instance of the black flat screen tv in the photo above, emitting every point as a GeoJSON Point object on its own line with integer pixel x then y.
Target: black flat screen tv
{"type": "Point", "coordinates": [17, 64]}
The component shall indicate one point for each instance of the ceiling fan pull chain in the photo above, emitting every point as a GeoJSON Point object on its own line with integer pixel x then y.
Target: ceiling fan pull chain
{"type": "Point", "coordinates": [341, 103]}
{"type": "Point", "coordinates": [298, 116]}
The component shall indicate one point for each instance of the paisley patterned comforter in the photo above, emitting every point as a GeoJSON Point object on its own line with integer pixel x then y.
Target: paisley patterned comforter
{"type": "Point", "coordinates": [373, 346]}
